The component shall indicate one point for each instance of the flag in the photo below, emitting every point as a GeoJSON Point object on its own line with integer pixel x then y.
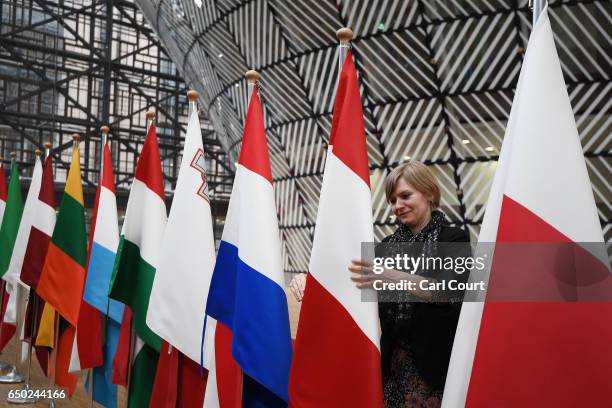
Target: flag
{"type": "Point", "coordinates": [187, 257]}
{"type": "Point", "coordinates": [90, 350]}
{"type": "Point", "coordinates": [136, 262]}
{"type": "Point", "coordinates": [246, 293]}
{"type": "Point", "coordinates": [224, 380]}
{"type": "Point", "coordinates": [43, 223]}
{"type": "Point", "coordinates": [11, 219]}
{"type": "Point", "coordinates": [105, 392]}
{"type": "Point", "coordinates": [178, 381]}
{"type": "Point", "coordinates": [63, 276]}
{"type": "Point", "coordinates": [536, 353]}
{"type": "Point", "coordinates": [121, 360]}
{"type": "Point", "coordinates": [337, 351]}
{"type": "Point", "coordinates": [12, 276]}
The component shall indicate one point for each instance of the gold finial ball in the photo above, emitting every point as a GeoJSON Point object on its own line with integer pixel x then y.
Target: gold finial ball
{"type": "Point", "coordinates": [192, 95]}
{"type": "Point", "coordinates": [48, 145]}
{"type": "Point", "coordinates": [150, 115]}
{"type": "Point", "coordinates": [38, 152]}
{"type": "Point", "coordinates": [344, 35]}
{"type": "Point", "coordinates": [104, 130]}
{"type": "Point", "coordinates": [252, 76]}
{"type": "Point", "coordinates": [76, 137]}
{"type": "Point", "coordinates": [13, 154]}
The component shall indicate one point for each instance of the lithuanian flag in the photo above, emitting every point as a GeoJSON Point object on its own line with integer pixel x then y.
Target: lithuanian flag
{"type": "Point", "coordinates": [63, 276]}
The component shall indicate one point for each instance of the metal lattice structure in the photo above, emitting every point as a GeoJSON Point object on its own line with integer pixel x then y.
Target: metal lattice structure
{"type": "Point", "coordinates": [437, 82]}
{"type": "Point", "coordinates": [73, 65]}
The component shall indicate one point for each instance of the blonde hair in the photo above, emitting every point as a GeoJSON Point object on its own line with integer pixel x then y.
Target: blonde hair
{"type": "Point", "coordinates": [419, 176]}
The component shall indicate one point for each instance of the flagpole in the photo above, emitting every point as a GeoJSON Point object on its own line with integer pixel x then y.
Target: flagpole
{"type": "Point", "coordinates": [537, 7]}
{"type": "Point", "coordinates": [252, 78]}
{"type": "Point", "coordinates": [344, 35]}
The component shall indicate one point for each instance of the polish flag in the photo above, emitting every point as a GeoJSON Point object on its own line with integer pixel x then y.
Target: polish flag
{"type": "Point", "coordinates": [547, 353]}
{"type": "Point", "coordinates": [337, 352]}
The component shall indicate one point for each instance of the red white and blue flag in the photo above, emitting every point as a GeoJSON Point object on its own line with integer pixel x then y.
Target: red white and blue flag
{"type": "Point", "coordinates": [246, 293]}
{"type": "Point", "coordinates": [92, 348]}
{"type": "Point", "coordinates": [337, 352]}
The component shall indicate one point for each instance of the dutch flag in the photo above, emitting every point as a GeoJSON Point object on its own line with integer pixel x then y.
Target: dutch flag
{"type": "Point", "coordinates": [246, 294]}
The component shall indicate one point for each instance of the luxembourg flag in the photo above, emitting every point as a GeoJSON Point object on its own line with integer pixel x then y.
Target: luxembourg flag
{"type": "Point", "coordinates": [92, 348]}
{"type": "Point", "coordinates": [246, 293]}
{"type": "Point", "coordinates": [546, 353]}
{"type": "Point", "coordinates": [337, 352]}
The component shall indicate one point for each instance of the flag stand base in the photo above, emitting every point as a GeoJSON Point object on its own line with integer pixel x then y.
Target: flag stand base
{"type": "Point", "coordinates": [21, 396]}
{"type": "Point", "coordinates": [12, 377]}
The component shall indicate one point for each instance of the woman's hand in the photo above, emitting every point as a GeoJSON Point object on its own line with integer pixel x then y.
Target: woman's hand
{"type": "Point", "coordinates": [364, 276]}
{"type": "Point", "coordinates": [298, 285]}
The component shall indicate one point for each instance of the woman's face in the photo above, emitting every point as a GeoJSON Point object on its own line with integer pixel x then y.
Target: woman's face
{"type": "Point", "coordinates": [410, 206]}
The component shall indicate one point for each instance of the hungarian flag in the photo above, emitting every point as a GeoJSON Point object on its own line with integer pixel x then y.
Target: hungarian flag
{"type": "Point", "coordinates": [63, 275]}
{"type": "Point", "coordinates": [136, 262]}
{"type": "Point", "coordinates": [247, 290]}
{"type": "Point", "coordinates": [11, 219]}
{"type": "Point", "coordinates": [93, 347]}
{"type": "Point", "coordinates": [187, 258]}
{"type": "Point", "coordinates": [43, 222]}
{"type": "Point", "coordinates": [12, 276]}
{"type": "Point", "coordinates": [545, 353]}
{"type": "Point", "coordinates": [337, 352]}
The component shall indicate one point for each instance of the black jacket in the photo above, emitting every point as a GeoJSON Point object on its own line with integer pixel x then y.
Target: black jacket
{"type": "Point", "coordinates": [429, 332]}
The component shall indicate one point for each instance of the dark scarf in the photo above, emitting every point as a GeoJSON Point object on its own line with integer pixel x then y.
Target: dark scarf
{"type": "Point", "coordinates": [428, 235]}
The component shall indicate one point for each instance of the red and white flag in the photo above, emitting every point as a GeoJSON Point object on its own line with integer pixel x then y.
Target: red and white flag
{"type": "Point", "coordinates": [546, 353]}
{"type": "Point", "coordinates": [336, 359]}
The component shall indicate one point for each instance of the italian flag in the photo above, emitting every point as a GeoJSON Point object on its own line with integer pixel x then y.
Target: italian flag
{"type": "Point", "coordinates": [63, 276]}
{"type": "Point", "coordinates": [135, 264]}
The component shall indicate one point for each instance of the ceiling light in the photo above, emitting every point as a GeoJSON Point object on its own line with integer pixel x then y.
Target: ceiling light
{"type": "Point", "coordinates": [489, 148]}
{"type": "Point", "coordinates": [465, 141]}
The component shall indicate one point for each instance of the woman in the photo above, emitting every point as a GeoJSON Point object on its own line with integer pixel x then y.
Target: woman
{"type": "Point", "coordinates": [417, 337]}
